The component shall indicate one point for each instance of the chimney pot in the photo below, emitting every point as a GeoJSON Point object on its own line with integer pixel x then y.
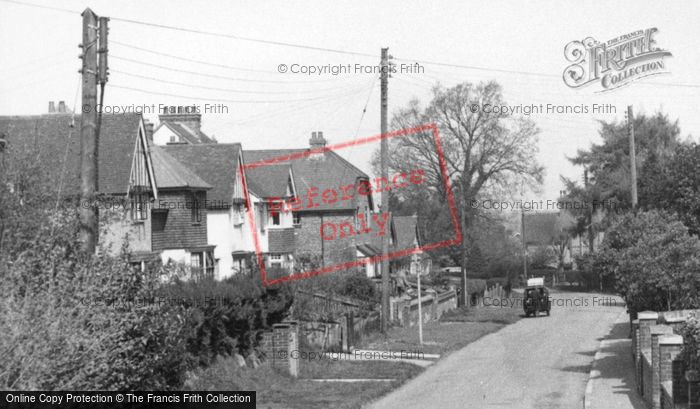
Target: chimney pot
{"type": "Point", "coordinates": [149, 130]}
{"type": "Point", "coordinates": [52, 107]}
{"type": "Point", "coordinates": [62, 106]}
{"type": "Point", "coordinates": [317, 140]}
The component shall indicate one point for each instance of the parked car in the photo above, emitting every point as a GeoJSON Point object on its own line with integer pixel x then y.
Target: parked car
{"type": "Point", "coordinates": [536, 298]}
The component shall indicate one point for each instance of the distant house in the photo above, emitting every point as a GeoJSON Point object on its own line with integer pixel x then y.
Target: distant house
{"type": "Point", "coordinates": [180, 125]}
{"type": "Point", "coordinates": [312, 175]}
{"type": "Point", "coordinates": [548, 231]}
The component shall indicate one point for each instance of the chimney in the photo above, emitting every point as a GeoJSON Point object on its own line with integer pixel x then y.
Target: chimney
{"type": "Point", "coordinates": [62, 107]}
{"type": "Point", "coordinates": [317, 140]}
{"type": "Point", "coordinates": [52, 107]}
{"type": "Point", "coordinates": [149, 130]}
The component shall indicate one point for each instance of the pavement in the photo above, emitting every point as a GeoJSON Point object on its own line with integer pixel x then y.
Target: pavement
{"type": "Point", "coordinates": [540, 362]}
{"type": "Point", "coordinates": [611, 383]}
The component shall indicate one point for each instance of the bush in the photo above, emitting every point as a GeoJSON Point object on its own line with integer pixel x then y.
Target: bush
{"type": "Point", "coordinates": [73, 322]}
{"type": "Point", "coordinates": [654, 262]}
{"type": "Point", "coordinates": [228, 316]}
{"type": "Point", "coordinates": [690, 354]}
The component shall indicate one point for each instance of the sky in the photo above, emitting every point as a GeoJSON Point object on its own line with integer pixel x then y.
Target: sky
{"type": "Point", "coordinates": [518, 44]}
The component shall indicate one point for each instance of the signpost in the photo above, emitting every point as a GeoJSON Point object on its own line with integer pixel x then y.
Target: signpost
{"type": "Point", "coordinates": [419, 269]}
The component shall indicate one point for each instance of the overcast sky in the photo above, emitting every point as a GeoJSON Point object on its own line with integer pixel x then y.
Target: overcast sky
{"type": "Point", "coordinates": [39, 63]}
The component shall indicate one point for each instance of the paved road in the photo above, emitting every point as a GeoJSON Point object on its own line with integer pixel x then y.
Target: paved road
{"type": "Point", "coordinates": [539, 362]}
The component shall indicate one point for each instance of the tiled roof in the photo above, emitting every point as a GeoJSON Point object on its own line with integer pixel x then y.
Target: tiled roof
{"type": "Point", "coordinates": [169, 173]}
{"type": "Point", "coordinates": [54, 140]}
{"type": "Point", "coordinates": [216, 164]}
{"type": "Point", "coordinates": [269, 181]}
{"type": "Point", "coordinates": [281, 240]}
{"type": "Point", "coordinates": [190, 135]}
{"type": "Point", "coordinates": [326, 170]}
{"type": "Point", "coordinates": [372, 239]}
{"type": "Point", "coordinates": [406, 231]}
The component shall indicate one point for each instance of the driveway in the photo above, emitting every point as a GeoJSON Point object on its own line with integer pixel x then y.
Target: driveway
{"type": "Point", "coordinates": [540, 362]}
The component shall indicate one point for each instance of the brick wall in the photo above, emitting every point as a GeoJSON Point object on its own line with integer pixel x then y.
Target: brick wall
{"type": "Point", "coordinates": [179, 231]}
{"type": "Point", "coordinates": [309, 240]}
{"type": "Point", "coordinates": [657, 331]}
{"type": "Point", "coordinates": [281, 345]}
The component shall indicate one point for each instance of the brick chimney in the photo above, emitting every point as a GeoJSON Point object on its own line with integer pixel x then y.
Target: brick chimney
{"type": "Point", "coordinates": [61, 107]}
{"type": "Point", "coordinates": [148, 126]}
{"type": "Point", "coordinates": [317, 140]}
{"type": "Point", "coordinates": [52, 107]}
{"type": "Point", "coordinates": [186, 115]}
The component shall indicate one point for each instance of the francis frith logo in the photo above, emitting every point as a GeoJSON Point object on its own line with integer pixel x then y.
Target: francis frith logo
{"type": "Point", "coordinates": [616, 62]}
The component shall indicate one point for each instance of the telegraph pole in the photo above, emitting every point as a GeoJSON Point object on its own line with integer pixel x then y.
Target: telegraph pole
{"type": "Point", "coordinates": [88, 135]}
{"type": "Point", "coordinates": [384, 153]}
{"type": "Point", "coordinates": [633, 154]}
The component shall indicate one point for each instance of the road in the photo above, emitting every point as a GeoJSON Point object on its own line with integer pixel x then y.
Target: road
{"type": "Point", "coordinates": [540, 362]}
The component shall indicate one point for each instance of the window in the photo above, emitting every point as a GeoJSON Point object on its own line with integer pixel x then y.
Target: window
{"type": "Point", "coordinates": [158, 219]}
{"type": "Point", "coordinates": [172, 138]}
{"type": "Point", "coordinates": [196, 260]}
{"type": "Point", "coordinates": [276, 259]}
{"type": "Point", "coordinates": [237, 216]}
{"type": "Point", "coordinates": [195, 206]}
{"type": "Point", "coordinates": [139, 206]}
{"type": "Point", "coordinates": [275, 216]}
{"type": "Point", "coordinates": [296, 217]}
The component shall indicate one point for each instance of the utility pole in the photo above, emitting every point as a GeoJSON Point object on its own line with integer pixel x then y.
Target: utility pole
{"type": "Point", "coordinates": [524, 243]}
{"type": "Point", "coordinates": [88, 135]}
{"type": "Point", "coordinates": [384, 153]}
{"type": "Point", "coordinates": [633, 154]}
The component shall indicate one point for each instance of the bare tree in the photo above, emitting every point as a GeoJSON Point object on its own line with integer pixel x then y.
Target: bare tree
{"type": "Point", "coordinates": [484, 148]}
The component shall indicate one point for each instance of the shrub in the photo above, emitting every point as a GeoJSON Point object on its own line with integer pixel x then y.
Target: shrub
{"type": "Point", "coordinates": [74, 322]}
{"type": "Point", "coordinates": [228, 316]}
{"type": "Point", "coordinates": [690, 354]}
{"type": "Point", "coordinates": [654, 262]}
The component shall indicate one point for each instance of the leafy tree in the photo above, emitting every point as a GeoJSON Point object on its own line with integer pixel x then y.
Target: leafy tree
{"type": "Point", "coordinates": [654, 260]}
{"type": "Point", "coordinates": [483, 149]}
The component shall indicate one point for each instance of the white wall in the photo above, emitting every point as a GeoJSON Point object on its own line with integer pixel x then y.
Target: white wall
{"type": "Point", "coordinates": [162, 136]}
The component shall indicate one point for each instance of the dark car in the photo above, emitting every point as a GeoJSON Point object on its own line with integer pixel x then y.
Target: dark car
{"type": "Point", "coordinates": [536, 300]}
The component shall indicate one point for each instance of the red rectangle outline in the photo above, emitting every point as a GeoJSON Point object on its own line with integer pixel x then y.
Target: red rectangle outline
{"type": "Point", "coordinates": [286, 158]}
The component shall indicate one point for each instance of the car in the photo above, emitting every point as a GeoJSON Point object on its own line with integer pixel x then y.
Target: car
{"type": "Point", "coordinates": [536, 298]}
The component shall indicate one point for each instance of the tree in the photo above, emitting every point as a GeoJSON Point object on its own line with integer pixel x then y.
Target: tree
{"type": "Point", "coordinates": [608, 164]}
{"type": "Point", "coordinates": [483, 148]}
{"type": "Point", "coordinates": [654, 260]}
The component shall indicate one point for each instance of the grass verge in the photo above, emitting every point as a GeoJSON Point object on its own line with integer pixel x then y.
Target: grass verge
{"type": "Point", "coordinates": [276, 390]}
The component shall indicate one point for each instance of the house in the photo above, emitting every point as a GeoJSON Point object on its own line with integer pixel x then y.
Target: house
{"type": "Point", "coordinates": [178, 215]}
{"type": "Point", "coordinates": [146, 198]}
{"type": "Point", "coordinates": [180, 125]}
{"type": "Point", "coordinates": [314, 174]}
{"type": "Point", "coordinates": [548, 231]}
{"type": "Point", "coordinates": [218, 166]}
{"type": "Point", "coordinates": [228, 226]}
{"type": "Point", "coordinates": [125, 171]}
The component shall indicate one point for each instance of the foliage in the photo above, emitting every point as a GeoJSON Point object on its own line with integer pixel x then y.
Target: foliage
{"type": "Point", "coordinates": [482, 151]}
{"type": "Point", "coordinates": [541, 258]}
{"type": "Point", "coordinates": [654, 261]}
{"type": "Point", "coordinates": [690, 354]}
{"type": "Point", "coordinates": [228, 316]}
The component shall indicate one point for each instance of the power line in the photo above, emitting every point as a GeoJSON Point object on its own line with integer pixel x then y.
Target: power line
{"type": "Point", "coordinates": [219, 99]}
{"type": "Point", "coordinates": [314, 48]}
{"type": "Point", "coordinates": [237, 91]}
{"type": "Point", "coordinates": [223, 77]}
{"type": "Point", "coordinates": [177, 57]}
